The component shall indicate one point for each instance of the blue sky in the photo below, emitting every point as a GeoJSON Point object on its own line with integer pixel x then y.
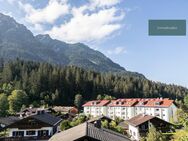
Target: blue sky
{"type": "Point", "coordinates": [118, 28]}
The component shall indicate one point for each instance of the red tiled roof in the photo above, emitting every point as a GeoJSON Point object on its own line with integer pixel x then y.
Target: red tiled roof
{"type": "Point", "coordinates": [144, 102]}
{"type": "Point", "coordinates": [155, 102]}
{"type": "Point", "coordinates": [122, 102]}
{"type": "Point", "coordinates": [97, 103]}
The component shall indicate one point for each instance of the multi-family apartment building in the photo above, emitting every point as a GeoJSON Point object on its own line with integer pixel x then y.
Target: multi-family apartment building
{"type": "Point", "coordinates": [128, 108]}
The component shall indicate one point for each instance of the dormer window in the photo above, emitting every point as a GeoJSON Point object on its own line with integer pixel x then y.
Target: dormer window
{"type": "Point", "coordinates": [157, 103]}
{"type": "Point", "coordinates": [141, 103]}
{"type": "Point", "coordinates": [95, 102]}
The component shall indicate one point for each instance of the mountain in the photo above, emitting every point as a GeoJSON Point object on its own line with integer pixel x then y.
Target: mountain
{"type": "Point", "coordinates": [16, 41]}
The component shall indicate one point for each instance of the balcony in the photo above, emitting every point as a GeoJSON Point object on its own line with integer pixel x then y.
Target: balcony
{"type": "Point", "coordinates": [44, 138]}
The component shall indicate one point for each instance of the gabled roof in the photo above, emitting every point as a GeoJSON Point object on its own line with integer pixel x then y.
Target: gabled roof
{"type": "Point", "coordinates": [43, 117]}
{"type": "Point", "coordinates": [8, 120]}
{"type": "Point", "coordinates": [123, 102]}
{"type": "Point", "coordinates": [30, 111]}
{"type": "Point", "coordinates": [63, 108]}
{"type": "Point", "coordinates": [142, 118]}
{"type": "Point", "coordinates": [139, 119]}
{"type": "Point", "coordinates": [163, 102]}
{"type": "Point", "coordinates": [88, 130]}
{"type": "Point", "coordinates": [129, 102]}
{"type": "Point", "coordinates": [97, 103]}
{"type": "Point", "coordinates": [47, 118]}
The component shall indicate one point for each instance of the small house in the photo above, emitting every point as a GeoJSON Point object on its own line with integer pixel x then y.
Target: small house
{"type": "Point", "coordinates": [39, 126]}
{"type": "Point", "coordinates": [139, 125]}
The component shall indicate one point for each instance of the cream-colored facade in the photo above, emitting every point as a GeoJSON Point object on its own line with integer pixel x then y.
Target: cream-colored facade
{"type": "Point", "coordinates": [166, 113]}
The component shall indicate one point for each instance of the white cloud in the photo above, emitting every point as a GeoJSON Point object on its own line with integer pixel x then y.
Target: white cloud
{"type": "Point", "coordinates": [11, 1]}
{"type": "Point", "coordinates": [104, 3]}
{"type": "Point", "coordinates": [90, 22]}
{"type": "Point", "coordinates": [86, 28]}
{"type": "Point", "coordinates": [37, 28]}
{"type": "Point", "coordinates": [48, 14]}
{"type": "Point", "coordinates": [117, 51]}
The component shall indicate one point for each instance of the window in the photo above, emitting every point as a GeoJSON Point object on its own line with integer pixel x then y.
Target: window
{"type": "Point", "coordinates": [134, 133]}
{"type": "Point", "coordinates": [18, 133]}
{"type": "Point", "coordinates": [157, 103]}
{"type": "Point", "coordinates": [30, 132]}
{"type": "Point", "coordinates": [43, 133]}
{"type": "Point", "coordinates": [131, 132]}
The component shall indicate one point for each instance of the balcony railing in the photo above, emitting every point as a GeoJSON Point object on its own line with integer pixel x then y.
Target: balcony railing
{"type": "Point", "coordinates": [24, 138]}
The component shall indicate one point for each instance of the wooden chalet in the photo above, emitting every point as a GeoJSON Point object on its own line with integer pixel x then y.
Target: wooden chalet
{"type": "Point", "coordinates": [40, 126]}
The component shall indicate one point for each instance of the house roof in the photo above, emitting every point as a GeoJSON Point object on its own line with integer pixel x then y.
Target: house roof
{"type": "Point", "coordinates": [30, 111]}
{"type": "Point", "coordinates": [43, 117]}
{"type": "Point", "coordinates": [144, 102]}
{"type": "Point", "coordinates": [97, 103]}
{"type": "Point", "coordinates": [63, 108]}
{"type": "Point", "coordinates": [139, 119]}
{"type": "Point", "coordinates": [47, 118]}
{"type": "Point", "coordinates": [163, 103]}
{"type": "Point", "coordinates": [9, 120]}
{"type": "Point", "coordinates": [89, 130]}
{"type": "Point", "coordinates": [123, 102]}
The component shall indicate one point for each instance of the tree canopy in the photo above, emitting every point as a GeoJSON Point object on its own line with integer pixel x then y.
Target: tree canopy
{"type": "Point", "coordinates": [46, 84]}
{"type": "Point", "coordinates": [17, 99]}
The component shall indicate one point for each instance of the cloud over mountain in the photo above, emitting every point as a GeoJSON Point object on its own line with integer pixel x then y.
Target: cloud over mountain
{"type": "Point", "coordinates": [91, 21]}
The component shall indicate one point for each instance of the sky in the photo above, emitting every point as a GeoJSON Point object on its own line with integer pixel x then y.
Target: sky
{"type": "Point", "coordinates": [117, 28]}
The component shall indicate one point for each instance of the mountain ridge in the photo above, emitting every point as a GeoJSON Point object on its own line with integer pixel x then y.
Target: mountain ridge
{"type": "Point", "coordinates": [16, 41]}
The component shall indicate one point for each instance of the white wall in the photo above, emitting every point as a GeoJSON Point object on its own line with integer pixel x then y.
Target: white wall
{"type": "Point", "coordinates": [125, 113]}
{"type": "Point", "coordinates": [134, 132]}
{"type": "Point", "coordinates": [50, 129]}
{"type": "Point", "coordinates": [172, 112]}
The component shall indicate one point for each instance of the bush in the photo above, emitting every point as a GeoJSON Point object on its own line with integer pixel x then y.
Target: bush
{"type": "Point", "coordinates": [65, 125]}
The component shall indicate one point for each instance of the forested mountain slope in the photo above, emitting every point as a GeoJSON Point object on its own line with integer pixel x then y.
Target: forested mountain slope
{"type": "Point", "coordinates": [56, 85]}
